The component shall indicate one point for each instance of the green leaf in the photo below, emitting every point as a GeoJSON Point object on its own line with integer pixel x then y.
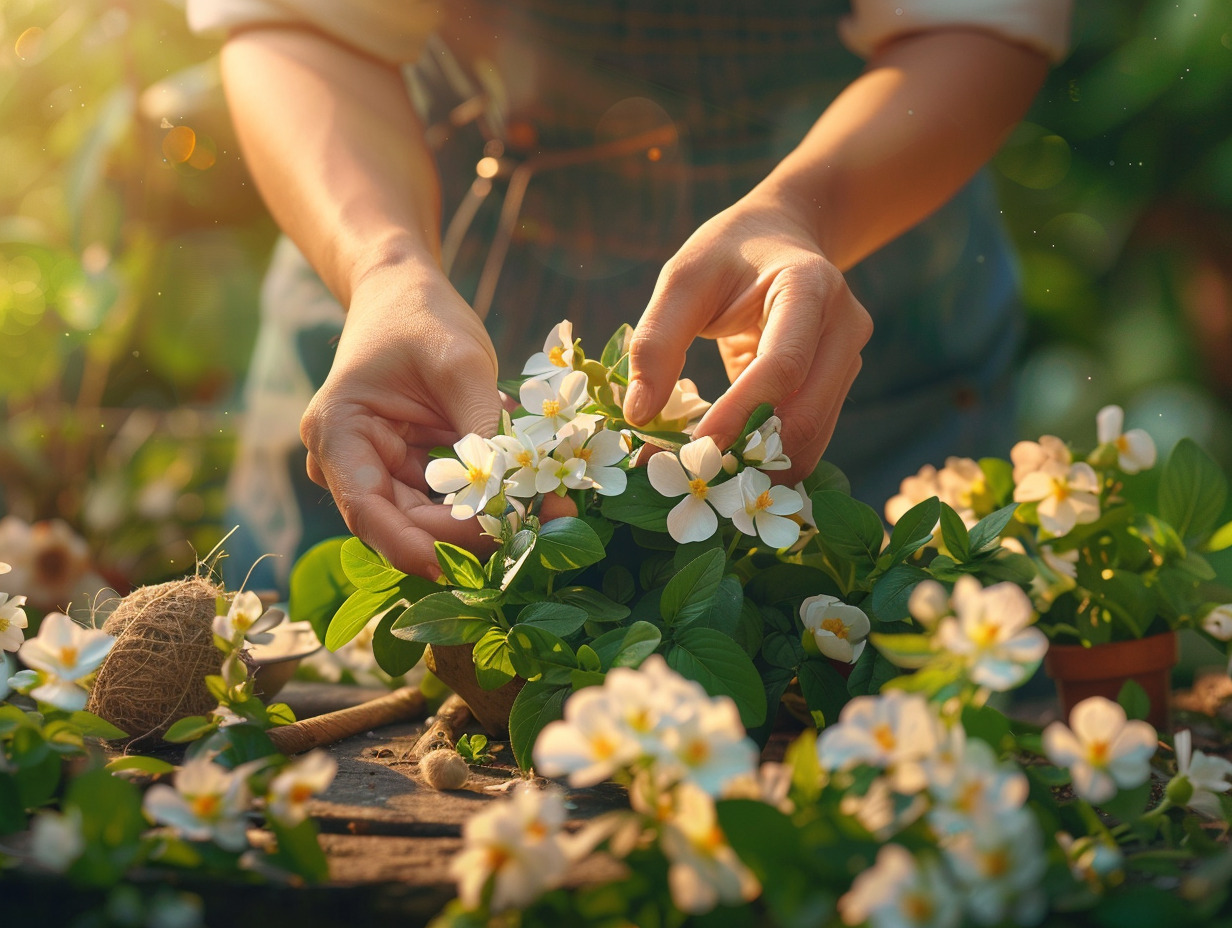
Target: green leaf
{"type": "Point", "coordinates": [627, 647]}
{"type": "Point", "coordinates": [190, 728]}
{"type": "Point", "coordinates": [998, 478]}
{"type": "Point", "coordinates": [598, 607]}
{"type": "Point", "coordinates": [534, 651]}
{"type": "Point", "coordinates": [111, 827]}
{"type": "Point", "coordinates": [299, 851]}
{"type": "Point", "coordinates": [789, 584]}
{"type": "Point", "coordinates": [367, 569]}
{"type": "Point", "coordinates": [824, 689]}
{"type": "Point", "coordinates": [444, 631]}
{"type": "Point", "coordinates": [1192, 490]}
{"type": "Point", "coordinates": [460, 567]}
{"type": "Point", "coordinates": [1221, 540]}
{"type": "Point", "coordinates": [1134, 700]}
{"type": "Point", "coordinates": [92, 726]}
{"type": "Point", "coordinates": [987, 532]}
{"type": "Point", "coordinates": [755, 421]}
{"type": "Point", "coordinates": [508, 563]}
{"type": "Point", "coordinates": [721, 667]}
{"type": "Point", "coordinates": [614, 350]}
{"type": "Point", "coordinates": [12, 812]}
{"type": "Point", "coordinates": [954, 534]}
{"type": "Point", "coordinates": [826, 476]}
{"type": "Point", "coordinates": [722, 613]}
{"type": "Point", "coordinates": [441, 605]}
{"type": "Point", "coordinates": [688, 594]}
{"type": "Point", "coordinates": [318, 585]}
{"type": "Point", "coordinates": [667, 440]}
{"type": "Point", "coordinates": [1128, 804]}
{"type": "Point", "coordinates": [618, 584]}
{"type": "Point", "coordinates": [904, 650]}
{"type": "Point", "coordinates": [567, 544]}
{"type": "Point", "coordinates": [135, 762]}
{"type": "Point", "coordinates": [493, 666]}
{"type": "Point", "coordinates": [914, 529]}
{"type": "Point", "coordinates": [849, 528]}
{"type": "Point", "coordinates": [749, 631]}
{"type": "Point", "coordinates": [556, 618]}
{"type": "Point", "coordinates": [355, 613]}
{"type": "Point", "coordinates": [640, 504]}
{"type": "Point", "coordinates": [534, 706]}
{"type": "Point", "coordinates": [588, 658]}
{"type": "Point", "coordinates": [892, 590]}
{"type": "Point", "coordinates": [985, 723]}
{"type": "Point", "coordinates": [871, 673]}
{"type": "Point", "coordinates": [394, 655]}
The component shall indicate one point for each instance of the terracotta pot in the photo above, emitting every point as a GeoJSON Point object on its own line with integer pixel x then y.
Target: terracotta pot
{"type": "Point", "coordinates": [1101, 670]}
{"type": "Point", "coordinates": [454, 665]}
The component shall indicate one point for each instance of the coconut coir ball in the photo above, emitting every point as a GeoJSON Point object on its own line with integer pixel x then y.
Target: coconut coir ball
{"type": "Point", "coordinates": [155, 673]}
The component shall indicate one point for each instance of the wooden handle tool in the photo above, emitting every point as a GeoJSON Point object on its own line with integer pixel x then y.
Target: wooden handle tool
{"type": "Point", "coordinates": [400, 705]}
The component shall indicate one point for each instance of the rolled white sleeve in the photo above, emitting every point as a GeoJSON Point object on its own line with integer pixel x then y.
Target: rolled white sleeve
{"type": "Point", "coordinates": [1042, 25]}
{"type": "Point", "coordinates": [392, 31]}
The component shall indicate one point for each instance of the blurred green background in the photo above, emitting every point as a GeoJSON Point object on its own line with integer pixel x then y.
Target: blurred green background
{"type": "Point", "coordinates": [132, 247]}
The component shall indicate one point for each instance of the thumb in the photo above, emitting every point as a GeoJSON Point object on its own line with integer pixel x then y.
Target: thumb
{"type": "Point", "coordinates": [470, 401]}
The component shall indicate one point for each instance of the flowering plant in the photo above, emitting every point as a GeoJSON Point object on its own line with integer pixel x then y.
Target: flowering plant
{"type": "Point", "coordinates": [745, 587]}
{"type": "Point", "coordinates": [1115, 544]}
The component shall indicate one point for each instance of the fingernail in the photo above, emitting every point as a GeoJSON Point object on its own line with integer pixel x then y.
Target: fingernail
{"type": "Point", "coordinates": [636, 401]}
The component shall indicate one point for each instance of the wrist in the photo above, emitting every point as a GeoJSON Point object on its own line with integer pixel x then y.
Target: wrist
{"type": "Point", "coordinates": [395, 261]}
{"type": "Point", "coordinates": [803, 203]}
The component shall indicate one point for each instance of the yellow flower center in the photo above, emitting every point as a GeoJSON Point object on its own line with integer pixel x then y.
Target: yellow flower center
{"type": "Point", "coordinates": [476, 474]}
{"type": "Point", "coordinates": [711, 841]}
{"type": "Point", "coordinates": [835, 627]}
{"type": "Point", "coordinates": [300, 792]}
{"type": "Point", "coordinates": [984, 634]}
{"type": "Point", "coordinates": [551, 408]}
{"type": "Point", "coordinates": [524, 458]}
{"type": "Point", "coordinates": [4, 624]}
{"type": "Point", "coordinates": [697, 486]}
{"type": "Point", "coordinates": [1097, 753]}
{"type": "Point", "coordinates": [585, 454]}
{"type": "Point", "coordinates": [1122, 444]}
{"type": "Point", "coordinates": [639, 721]}
{"type": "Point", "coordinates": [763, 502]}
{"type": "Point", "coordinates": [1060, 489]}
{"type": "Point", "coordinates": [970, 496]}
{"type": "Point", "coordinates": [918, 908]}
{"type": "Point", "coordinates": [997, 863]}
{"type": "Point", "coordinates": [206, 806]}
{"type": "Point", "coordinates": [969, 798]}
{"type": "Point", "coordinates": [696, 752]}
{"type": "Point", "coordinates": [602, 747]}
{"type": "Point", "coordinates": [536, 831]}
{"type": "Point", "coordinates": [884, 736]}
{"type": "Point", "coordinates": [68, 656]}
{"type": "Point", "coordinates": [556, 354]}
{"type": "Point", "coordinates": [498, 856]}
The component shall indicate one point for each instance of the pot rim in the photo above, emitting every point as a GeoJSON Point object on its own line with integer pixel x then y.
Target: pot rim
{"type": "Point", "coordinates": [1112, 659]}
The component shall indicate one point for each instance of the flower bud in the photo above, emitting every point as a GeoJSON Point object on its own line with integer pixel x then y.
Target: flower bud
{"type": "Point", "coordinates": [1179, 790]}
{"type": "Point", "coordinates": [928, 602]}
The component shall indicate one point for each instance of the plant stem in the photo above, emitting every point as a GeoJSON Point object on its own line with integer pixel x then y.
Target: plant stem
{"type": "Point", "coordinates": [731, 548]}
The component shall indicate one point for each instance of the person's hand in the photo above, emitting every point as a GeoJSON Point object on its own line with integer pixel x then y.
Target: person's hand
{"type": "Point", "coordinates": [788, 328]}
{"type": "Point", "coordinates": [414, 370]}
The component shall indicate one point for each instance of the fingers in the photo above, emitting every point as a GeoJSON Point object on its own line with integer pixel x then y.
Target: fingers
{"type": "Point", "coordinates": [806, 360]}
{"type": "Point", "coordinates": [680, 307]}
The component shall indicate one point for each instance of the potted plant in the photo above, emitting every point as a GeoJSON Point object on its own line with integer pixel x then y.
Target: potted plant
{"type": "Point", "coordinates": [748, 588]}
{"type": "Point", "coordinates": [1116, 545]}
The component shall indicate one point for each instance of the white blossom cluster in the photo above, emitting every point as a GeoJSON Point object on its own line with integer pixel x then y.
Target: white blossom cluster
{"type": "Point", "coordinates": [561, 443]}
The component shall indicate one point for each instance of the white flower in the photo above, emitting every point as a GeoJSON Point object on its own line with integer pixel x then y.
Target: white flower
{"type": "Point", "coordinates": [900, 892]}
{"type": "Point", "coordinates": [12, 621]}
{"type": "Point", "coordinates": [1001, 866]}
{"type": "Point", "coordinates": [297, 783]}
{"type": "Point", "coordinates": [838, 629]}
{"type": "Point", "coordinates": [683, 408]}
{"type": "Point", "coordinates": [600, 451]}
{"type": "Point", "coordinates": [928, 602]}
{"type": "Point", "coordinates": [50, 563]}
{"type": "Point", "coordinates": [706, 745]}
{"type": "Point", "coordinates": [556, 358]}
{"type": "Point", "coordinates": [64, 652]}
{"type": "Point", "coordinates": [247, 620]}
{"type": "Point", "coordinates": [1135, 449]}
{"type": "Point", "coordinates": [523, 453]}
{"type": "Point", "coordinates": [1207, 774]}
{"type": "Point", "coordinates": [207, 803]}
{"type": "Point", "coordinates": [513, 516]}
{"type": "Point", "coordinates": [1049, 454]}
{"type": "Point", "coordinates": [56, 840]}
{"type": "Point", "coordinates": [970, 786]}
{"type": "Point", "coordinates": [882, 810]}
{"type": "Point", "coordinates": [703, 869]}
{"type": "Point", "coordinates": [757, 508]}
{"type": "Point", "coordinates": [1066, 498]}
{"type": "Point", "coordinates": [5, 568]}
{"type": "Point", "coordinates": [770, 784]}
{"type": "Point", "coordinates": [1101, 748]}
{"type": "Point", "coordinates": [1218, 622]}
{"type": "Point", "coordinates": [962, 483]}
{"type": "Point", "coordinates": [764, 447]}
{"type": "Point", "coordinates": [991, 630]}
{"type": "Point", "coordinates": [893, 731]}
{"type": "Point", "coordinates": [473, 479]}
{"type": "Point", "coordinates": [688, 474]}
{"type": "Point", "coordinates": [590, 743]}
{"type": "Point", "coordinates": [517, 844]}
{"type": "Point", "coordinates": [555, 473]}
{"type": "Point", "coordinates": [1091, 859]}
{"type": "Point", "coordinates": [554, 405]}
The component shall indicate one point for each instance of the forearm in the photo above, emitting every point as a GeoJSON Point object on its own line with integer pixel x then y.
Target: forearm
{"type": "Point", "coordinates": [900, 140]}
{"type": "Point", "coordinates": [337, 152]}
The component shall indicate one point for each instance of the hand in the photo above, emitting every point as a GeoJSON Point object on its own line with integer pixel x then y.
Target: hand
{"type": "Point", "coordinates": [414, 370]}
{"type": "Point", "coordinates": [788, 328]}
